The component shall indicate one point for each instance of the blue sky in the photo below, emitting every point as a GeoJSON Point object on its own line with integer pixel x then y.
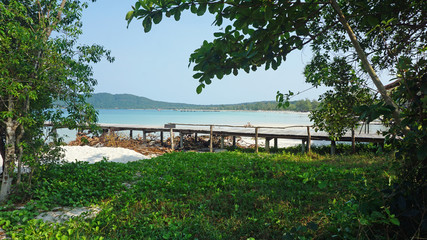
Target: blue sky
{"type": "Point", "coordinates": [155, 64]}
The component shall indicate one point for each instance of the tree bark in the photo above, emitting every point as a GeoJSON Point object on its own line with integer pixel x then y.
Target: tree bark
{"type": "Point", "coordinates": [333, 147]}
{"type": "Point", "coordinates": [58, 18]}
{"type": "Point", "coordinates": [9, 160]}
{"type": "Point", "coordinates": [368, 67]}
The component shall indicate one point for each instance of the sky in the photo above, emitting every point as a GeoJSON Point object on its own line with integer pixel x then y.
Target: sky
{"type": "Point", "coordinates": [155, 64]}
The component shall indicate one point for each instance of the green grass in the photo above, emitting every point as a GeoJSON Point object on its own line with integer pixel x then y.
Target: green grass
{"type": "Point", "coordinates": [230, 195]}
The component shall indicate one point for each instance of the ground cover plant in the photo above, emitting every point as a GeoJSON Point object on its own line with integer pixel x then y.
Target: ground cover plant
{"type": "Point", "coordinates": [230, 195]}
{"type": "Point", "coordinates": [341, 148]}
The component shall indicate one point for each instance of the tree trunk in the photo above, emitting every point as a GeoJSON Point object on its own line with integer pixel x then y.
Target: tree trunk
{"type": "Point", "coordinates": [368, 67]}
{"type": "Point", "coordinates": [333, 147]}
{"type": "Point", "coordinates": [9, 160]}
{"type": "Point", "coordinates": [20, 149]}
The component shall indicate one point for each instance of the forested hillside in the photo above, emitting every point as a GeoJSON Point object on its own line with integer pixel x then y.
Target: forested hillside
{"type": "Point", "coordinates": [128, 101]}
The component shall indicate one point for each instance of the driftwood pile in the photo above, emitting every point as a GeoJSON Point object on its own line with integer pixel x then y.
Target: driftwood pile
{"type": "Point", "coordinates": [113, 140]}
{"type": "Point", "coordinates": [152, 145]}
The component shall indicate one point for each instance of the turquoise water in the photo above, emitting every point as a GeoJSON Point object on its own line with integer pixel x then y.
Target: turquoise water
{"type": "Point", "coordinates": [161, 117]}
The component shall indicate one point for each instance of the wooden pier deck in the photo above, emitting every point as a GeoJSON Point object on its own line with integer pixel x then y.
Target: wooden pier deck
{"type": "Point", "coordinates": [304, 133]}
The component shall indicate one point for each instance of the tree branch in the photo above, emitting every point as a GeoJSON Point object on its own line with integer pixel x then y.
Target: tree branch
{"type": "Point", "coordinates": [58, 18]}
{"type": "Point", "coordinates": [368, 67]}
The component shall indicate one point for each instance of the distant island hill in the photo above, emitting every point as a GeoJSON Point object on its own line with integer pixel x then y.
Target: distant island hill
{"type": "Point", "coordinates": [129, 101]}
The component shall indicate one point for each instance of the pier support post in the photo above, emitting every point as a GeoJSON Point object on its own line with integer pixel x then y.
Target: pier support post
{"type": "Point", "coordinates": [211, 139]}
{"type": "Point", "coordinates": [181, 140]}
{"type": "Point", "coordinates": [275, 143]}
{"type": "Point", "coordinates": [171, 137]}
{"type": "Point", "coordinates": [256, 140]}
{"type": "Point", "coordinates": [234, 141]}
{"type": "Point", "coordinates": [161, 138]}
{"type": "Point", "coordinates": [267, 144]}
{"type": "Point", "coordinates": [308, 140]}
{"type": "Point", "coordinates": [222, 141]}
{"type": "Point", "coordinates": [353, 141]}
{"type": "Point", "coordinates": [130, 134]}
{"type": "Point", "coordinates": [144, 136]}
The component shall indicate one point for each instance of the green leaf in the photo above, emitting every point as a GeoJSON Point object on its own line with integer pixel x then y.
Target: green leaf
{"type": "Point", "coordinates": [177, 15]}
{"type": "Point", "coordinates": [202, 9]}
{"type": "Point", "coordinates": [218, 20]}
{"type": "Point", "coordinates": [395, 221]}
{"type": "Point", "coordinates": [200, 88]}
{"type": "Point", "coordinates": [212, 8]}
{"type": "Point", "coordinates": [267, 65]}
{"type": "Point", "coordinates": [252, 54]}
{"type": "Point", "coordinates": [193, 8]}
{"type": "Point", "coordinates": [250, 48]}
{"type": "Point", "coordinates": [157, 17]}
{"type": "Point", "coordinates": [147, 24]}
{"type": "Point", "coordinates": [129, 15]}
{"type": "Point", "coordinates": [235, 71]}
{"type": "Point", "coordinates": [218, 34]}
{"type": "Point", "coordinates": [220, 75]}
{"type": "Point", "coordinates": [197, 75]}
{"type": "Point", "coordinates": [274, 64]}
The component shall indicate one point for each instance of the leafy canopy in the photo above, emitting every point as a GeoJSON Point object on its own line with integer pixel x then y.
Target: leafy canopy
{"type": "Point", "coordinates": [41, 64]}
{"type": "Point", "coordinates": [337, 111]}
{"type": "Point", "coordinates": [256, 32]}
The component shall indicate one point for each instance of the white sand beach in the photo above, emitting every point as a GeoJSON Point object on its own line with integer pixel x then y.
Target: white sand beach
{"type": "Point", "coordinates": [97, 154]}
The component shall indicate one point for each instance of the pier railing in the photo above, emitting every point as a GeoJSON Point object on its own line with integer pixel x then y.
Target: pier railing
{"type": "Point", "coordinates": [256, 133]}
{"type": "Point", "coordinates": [299, 132]}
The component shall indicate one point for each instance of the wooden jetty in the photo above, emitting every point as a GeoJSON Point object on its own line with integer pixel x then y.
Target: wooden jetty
{"type": "Point", "coordinates": [301, 132]}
